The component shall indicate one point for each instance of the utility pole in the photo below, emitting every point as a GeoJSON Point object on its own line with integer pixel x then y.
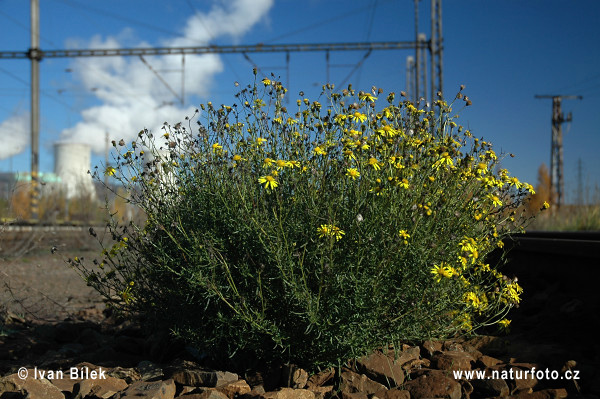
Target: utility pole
{"type": "Point", "coordinates": [417, 75]}
{"type": "Point", "coordinates": [35, 56]}
{"type": "Point", "coordinates": [556, 150]}
{"type": "Point", "coordinates": [436, 49]}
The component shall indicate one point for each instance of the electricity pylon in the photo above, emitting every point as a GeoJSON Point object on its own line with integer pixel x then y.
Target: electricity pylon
{"type": "Point", "coordinates": [556, 152]}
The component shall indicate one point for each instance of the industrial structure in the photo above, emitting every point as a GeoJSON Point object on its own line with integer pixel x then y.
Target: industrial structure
{"type": "Point", "coordinates": [72, 164]}
{"type": "Point", "coordinates": [557, 185]}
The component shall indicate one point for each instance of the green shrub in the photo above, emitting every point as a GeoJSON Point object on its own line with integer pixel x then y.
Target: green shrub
{"type": "Point", "coordinates": [312, 235]}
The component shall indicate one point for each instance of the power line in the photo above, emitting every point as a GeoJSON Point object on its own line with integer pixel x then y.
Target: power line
{"type": "Point", "coordinates": [118, 17]}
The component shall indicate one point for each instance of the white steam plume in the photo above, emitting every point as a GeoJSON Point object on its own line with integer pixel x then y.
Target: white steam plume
{"type": "Point", "coordinates": [14, 132]}
{"type": "Point", "coordinates": [133, 98]}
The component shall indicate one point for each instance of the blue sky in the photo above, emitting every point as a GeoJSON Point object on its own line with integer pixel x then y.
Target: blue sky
{"type": "Point", "coordinates": [504, 52]}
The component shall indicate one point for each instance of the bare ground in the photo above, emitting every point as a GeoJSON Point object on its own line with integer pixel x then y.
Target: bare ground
{"type": "Point", "coordinates": [40, 286]}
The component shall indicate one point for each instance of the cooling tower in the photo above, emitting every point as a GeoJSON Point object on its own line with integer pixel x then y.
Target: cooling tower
{"type": "Point", "coordinates": [71, 165]}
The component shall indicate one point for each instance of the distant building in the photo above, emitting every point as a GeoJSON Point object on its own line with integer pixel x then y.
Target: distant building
{"type": "Point", "coordinates": [71, 165]}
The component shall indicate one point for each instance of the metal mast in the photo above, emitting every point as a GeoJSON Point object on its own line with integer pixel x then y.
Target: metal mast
{"type": "Point", "coordinates": [556, 150]}
{"type": "Point", "coordinates": [436, 48]}
{"type": "Point", "coordinates": [34, 55]}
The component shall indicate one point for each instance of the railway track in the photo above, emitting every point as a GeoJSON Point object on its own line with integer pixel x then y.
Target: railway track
{"type": "Point", "coordinates": [15, 238]}
{"type": "Point", "coordinates": [577, 244]}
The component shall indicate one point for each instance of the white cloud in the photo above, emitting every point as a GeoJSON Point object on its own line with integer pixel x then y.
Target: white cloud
{"type": "Point", "coordinates": [15, 135]}
{"type": "Point", "coordinates": [133, 98]}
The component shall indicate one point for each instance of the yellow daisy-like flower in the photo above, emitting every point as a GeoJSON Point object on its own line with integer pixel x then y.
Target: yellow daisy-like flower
{"type": "Point", "coordinates": [504, 324]}
{"type": "Point", "coordinates": [352, 173]}
{"type": "Point", "coordinates": [290, 121]}
{"type": "Point", "coordinates": [340, 119]}
{"type": "Point", "coordinates": [515, 182]}
{"type": "Point", "coordinates": [403, 183]}
{"type": "Point", "coordinates": [358, 117]}
{"type": "Point", "coordinates": [109, 171]}
{"type": "Point", "coordinates": [512, 293]}
{"type": "Point", "coordinates": [444, 160]}
{"type": "Point", "coordinates": [482, 168]}
{"type": "Point", "coordinates": [387, 131]}
{"type": "Point", "coordinates": [545, 205]}
{"type": "Point", "coordinates": [260, 141]}
{"type": "Point", "coordinates": [238, 158]}
{"type": "Point", "coordinates": [374, 163]}
{"type": "Point", "coordinates": [266, 81]}
{"type": "Point", "coordinates": [471, 299]}
{"type": "Point", "coordinates": [319, 151]}
{"type": "Point", "coordinates": [367, 97]}
{"type": "Point", "coordinates": [529, 188]}
{"type": "Point", "coordinates": [441, 271]}
{"type": "Point", "coordinates": [269, 182]}
{"type": "Point", "coordinates": [495, 200]}
{"type": "Point", "coordinates": [217, 148]}
{"type": "Point", "coordinates": [329, 230]}
{"type": "Point", "coordinates": [268, 162]}
{"type": "Point", "coordinates": [280, 163]}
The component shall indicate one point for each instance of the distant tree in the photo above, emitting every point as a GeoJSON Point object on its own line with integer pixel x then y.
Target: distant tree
{"type": "Point", "coordinates": [543, 190]}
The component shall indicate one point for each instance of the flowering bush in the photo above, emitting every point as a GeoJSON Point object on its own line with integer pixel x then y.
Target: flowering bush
{"type": "Point", "coordinates": [316, 234]}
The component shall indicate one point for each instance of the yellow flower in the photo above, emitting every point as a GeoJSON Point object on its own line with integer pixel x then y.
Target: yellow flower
{"type": "Point", "coordinates": [269, 182]}
{"type": "Point", "coordinates": [217, 148]}
{"type": "Point", "coordinates": [403, 183]}
{"type": "Point", "coordinates": [268, 162]}
{"type": "Point", "coordinates": [282, 164]}
{"type": "Point", "coordinates": [482, 168]}
{"type": "Point", "coordinates": [358, 117]}
{"type": "Point", "coordinates": [515, 182]}
{"type": "Point", "coordinates": [329, 230]}
{"type": "Point", "coordinates": [353, 173]}
{"type": "Point", "coordinates": [495, 200]}
{"type": "Point", "coordinates": [367, 97]}
{"type": "Point", "coordinates": [291, 121]}
{"type": "Point", "coordinates": [545, 205]}
{"type": "Point", "coordinates": [404, 236]}
{"type": "Point", "coordinates": [445, 159]}
{"type": "Point", "coordinates": [374, 163]}
{"type": "Point", "coordinates": [109, 171]}
{"type": "Point", "coordinates": [504, 324]}
{"type": "Point", "coordinates": [260, 141]}
{"type": "Point", "coordinates": [340, 118]}
{"type": "Point", "coordinates": [529, 188]}
{"type": "Point", "coordinates": [266, 81]}
{"type": "Point", "coordinates": [471, 299]}
{"type": "Point", "coordinates": [511, 294]}
{"type": "Point", "coordinates": [319, 151]}
{"type": "Point", "coordinates": [441, 271]}
{"type": "Point", "coordinates": [387, 131]}
{"type": "Point", "coordinates": [238, 158]}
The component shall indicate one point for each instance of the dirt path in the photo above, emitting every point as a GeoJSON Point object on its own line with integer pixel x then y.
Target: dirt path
{"type": "Point", "coordinates": [41, 286]}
